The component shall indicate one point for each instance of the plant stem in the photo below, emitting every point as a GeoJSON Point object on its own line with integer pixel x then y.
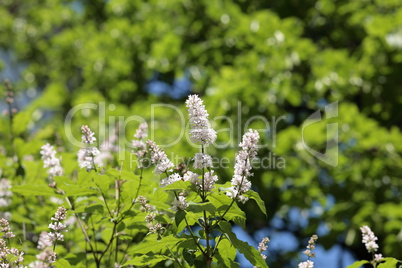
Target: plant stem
{"type": "Point", "coordinates": [97, 261]}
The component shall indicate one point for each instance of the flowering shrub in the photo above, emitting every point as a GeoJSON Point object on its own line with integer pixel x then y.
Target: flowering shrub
{"type": "Point", "coordinates": [112, 215]}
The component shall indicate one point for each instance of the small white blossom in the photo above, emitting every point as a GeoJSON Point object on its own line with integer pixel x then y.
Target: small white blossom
{"type": "Point", "coordinates": [60, 214]}
{"type": "Point", "coordinates": [202, 161]}
{"type": "Point", "coordinates": [191, 176]}
{"type": "Point", "coordinates": [378, 257]}
{"type": "Point", "coordinates": [179, 203]}
{"type": "Point", "coordinates": [57, 226]}
{"type": "Point", "coordinates": [262, 246]}
{"type": "Point", "coordinates": [87, 156]}
{"type": "Point", "coordinates": [306, 264]}
{"type": "Point", "coordinates": [201, 131]}
{"type": "Point", "coordinates": [43, 241]}
{"type": "Point", "coordinates": [141, 132]}
{"type": "Point", "coordinates": [50, 161]}
{"type": "Point", "coordinates": [369, 239]}
{"type": "Point", "coordinates": [159, 159]}
{"type": "Point", "coordinates": [140, 148]}
{"type": "Point", "coordinates": [87, 135]}
{"type": "Point", "coordinates": [240, 183]}
{"type": "Point", "coordinates": [171, 179]}
{"type": "Point", "coordinates": [5, 193]}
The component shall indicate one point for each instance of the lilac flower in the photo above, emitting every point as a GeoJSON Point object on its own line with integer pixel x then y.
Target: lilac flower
{"type": "Point", "coordinates": [5, 193]}
{"type": "Point", "coordinates": [262, 246]}
{"type": "Point", "coordinates": [86, 156]}
{"type": "Point", "coordinates": [201, 131]}
{"type": "Point", "coordinates": [5, 228]}
{"type": "Point", "coordinates": [369, 239]}
{"type": "Point", "coordinates": [240, 183]}
{"type": "Point", "coordinates": [6, 260]}
{"type": "Point", "coordinates": [311, 246]}
{"type": "Point", "coordinates": [179, 203]}
{"type": "Point", "coordinates": [44, 259]}
{"type": "Point", "coordinates": [209, 180]}
{"type": "Point", "coordinates": [377, 257]}
{"type": "Point", "coordinates": [57, 226]}
{"type": "Point", "coordinates": [309, 252]}
{"type": "Point", "coordinates": [60, 214]}
{"type": "Point", "coordinates": [191, 176]}
{"type": "Point", "coordinates": [159, 159]}
{"type": "Point", "coordinates": [140, 148]}
{"type": "Point", "coordinates": [202, 161]}
{"type": "Point", "coordinates": [306, 264]}
{"type": "Point", "coordinates": [141, 132]}
{"type": "Point", "coordinates": [50, 161]}
{"type": "Point", "coordinates": [43, 241]}
{"type": "Point", "coordinates": [171, 179]}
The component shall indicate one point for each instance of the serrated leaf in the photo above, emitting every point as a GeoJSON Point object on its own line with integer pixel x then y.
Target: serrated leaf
{"type": "Point", "coordinates": [226, 253]}
{"type": "Point", "coordinates": [178, 185]}
{"type": "Point", "coordinates": [21, 121]}
{"type": "Point", "coordinates": [145, 260]}
{"type": "Point", "coordinates": [200, 207]}
{"type": "Point", "coordinates": [248, 251]}
{"type": "Point", "coordinates": [62, 263]}
{"type": "Point", "coordinates": [155, 245]}
{"type": "Point", "coordinates": [389, 263]}
{"type": "Point", "coordinates": [222, 202]}
{"type": "Point", "coordinates": [255, 196]}
{"type": "Point", "coordinates": [358, 264]}
{"type": "Point", "coordinates": [36, 190]}
{"type": "Point", "coordinates": [103, 182]}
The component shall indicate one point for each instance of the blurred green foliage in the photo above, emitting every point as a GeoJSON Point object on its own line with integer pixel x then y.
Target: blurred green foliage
{"type": "Point", "coordinates": [275, 57]}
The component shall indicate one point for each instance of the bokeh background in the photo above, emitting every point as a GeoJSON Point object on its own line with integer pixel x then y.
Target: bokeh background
{"type": "Point", "coordinates": [267, 58]}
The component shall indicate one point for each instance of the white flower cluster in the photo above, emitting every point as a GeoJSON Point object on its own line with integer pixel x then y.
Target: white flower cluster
{"type": "Point", "coordinates": [44, 259]}
{"type": "Point", "coordinates": [240, 183]}
{"type": "Point", "coordinates": [306, 264]}
{"type": "Point", "coordinates": [86, 156]}
{"type": "Point", "coordinates": [309, 252]}
{"type": "Point", "coordinates": [5, 228]}
{"type": "Point", "coordinates": [179, 203]}
{"type": "Point", "coordinates": [145, 207]}
{"type": "Point", "coordinates": [209, 180]}
{"type": "Point", "coordinates": [5, 193]}
{"type": "Point", "coordinates": [140, 148]}
{"type": "Point", "coordinates": [311, 246]}
{"type": "Point", "coordinates": [171, 179]}
{"type": "Point", "coordinates": [6, 260]}
{"type": "Point", "coordinates": [159, 159]}
{"type": "Point", "coordinates": [57, 226]}
{"type": "Point", "coordinates": [201, 131]}
{"type": "Point", "coordinates": [107, 147]}
{"type": "Point", "coordinates": [369, 239]}
{"type": "Point", "coordinates": [262, 246]}
{"type": "Point", "coordinates": [50, 161]}
{"type": "Point", "coordinates": [202, 161]}
{"type": "Point", "coordinates": [43, 241]}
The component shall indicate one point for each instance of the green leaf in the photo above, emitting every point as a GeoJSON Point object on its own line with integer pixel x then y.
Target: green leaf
{"type": "Point", "coordinates": [221, 202]}
{"type": "Point", "coordinates": [248, 251]}
{"type": "Point", "coordinates": [29, 189]}
{"type": "Point", "coordinates": [153, 245]}
{"type": "Point", "coordinates": [145, 260]}
{"type": "Point", "coordinates": [226, 253]}
{"type": "Point", "coordinates": [358, 264]}
{"type": "Point", "coordinates": [255, 196]}
{"type": "Point", "coordinates": [200, 207]}
{"type": "Point", "coordinates": [103, 182]}
{"type": "Point", "coordinates": [389, 263]}
{"type": "Point", "coordinates": [178, 185]}
{"type": "Point", "coordinates": [62, 263]}
{"type": "Point", "coordinates": [21, 121]}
